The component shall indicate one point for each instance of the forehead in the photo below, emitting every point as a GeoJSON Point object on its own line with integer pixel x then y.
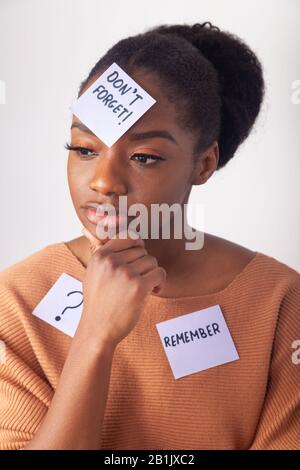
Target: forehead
{"type": "Point", "coordinates": [162, 115]}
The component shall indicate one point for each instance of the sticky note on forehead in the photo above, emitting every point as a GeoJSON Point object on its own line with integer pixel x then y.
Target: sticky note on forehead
{"type": "Point", "coordinates": [112, 104]}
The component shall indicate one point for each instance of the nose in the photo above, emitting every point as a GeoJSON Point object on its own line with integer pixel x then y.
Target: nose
{"type": "Point", "coordinates": [109, 177]}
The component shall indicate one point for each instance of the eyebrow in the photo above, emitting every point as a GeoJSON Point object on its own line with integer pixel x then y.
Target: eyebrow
{"type": "Point", "coordinates": [152, 134]}
{"type": "Point", "coordinates": [134, 135]}
{"type": "Point", "coordinates": [82, 127]}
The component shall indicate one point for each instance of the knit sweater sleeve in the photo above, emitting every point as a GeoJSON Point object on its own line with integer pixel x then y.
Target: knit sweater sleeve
{"type": "Point", "coordinates": [25, 394]}
{"type": "Point", "coordinates": [279, 424]}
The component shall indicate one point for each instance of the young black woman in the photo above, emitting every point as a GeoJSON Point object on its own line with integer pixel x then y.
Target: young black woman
{"type": "Point", "coordinates": [111, 387]}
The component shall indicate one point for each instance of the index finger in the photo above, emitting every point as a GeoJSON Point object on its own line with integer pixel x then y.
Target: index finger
{"type": "Point", "coordinates": [118, 244]}
{"type": "Point", "coordinates": [115, 243]}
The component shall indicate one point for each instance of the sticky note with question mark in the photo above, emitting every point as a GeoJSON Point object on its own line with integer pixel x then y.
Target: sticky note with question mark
{"type": "Point", "coordinates": [62, 306]}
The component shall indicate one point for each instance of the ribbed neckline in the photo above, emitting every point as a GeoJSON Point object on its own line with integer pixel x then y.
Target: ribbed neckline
{"type": "Point", "coordinates": [231, 286]}
{"type": "Point", "coordinates": [157, 299]}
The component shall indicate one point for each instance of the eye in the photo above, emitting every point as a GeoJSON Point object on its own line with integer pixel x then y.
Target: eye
{"type": "Point", "coordinates": [145, 157]}
{"type": "Point", "coordinates": [83, 152]}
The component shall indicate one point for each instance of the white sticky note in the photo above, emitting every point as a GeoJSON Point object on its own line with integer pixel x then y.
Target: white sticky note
{"type": "Point", "coordinates": [197, 341]}
{"type": "Point", "coordinates": [62, 306]}
{"type": "Point", "coordinates": [112, 104]}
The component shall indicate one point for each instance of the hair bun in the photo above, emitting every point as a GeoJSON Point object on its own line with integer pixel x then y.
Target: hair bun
{"type": "Point", "coordinates": [198, 26]}
{"type": "Point", "coordinates": [240, 77]}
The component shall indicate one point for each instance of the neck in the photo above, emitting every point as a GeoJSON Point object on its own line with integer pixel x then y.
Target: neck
{"type": "Point", "coordinates": [172, 254]}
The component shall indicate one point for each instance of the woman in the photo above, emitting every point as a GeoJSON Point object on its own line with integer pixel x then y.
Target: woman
{"type": "Point", "coordinates": [111, 385]}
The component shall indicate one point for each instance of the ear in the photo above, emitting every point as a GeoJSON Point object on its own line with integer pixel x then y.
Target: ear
{"type": "Point", "coordinates": [206, 164]}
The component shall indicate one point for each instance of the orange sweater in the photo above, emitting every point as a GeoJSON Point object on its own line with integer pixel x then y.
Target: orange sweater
{"type": "Point", "coordinates": [251, 403]}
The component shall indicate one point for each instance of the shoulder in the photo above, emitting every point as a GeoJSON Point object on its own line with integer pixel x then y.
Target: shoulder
{"type": "Point", "coordinates": [231, 260]}
{"type": "Point", "coordinates": [23, 282]}
{"type": "Point", "coordinates": [33, 265]}
{"type": "Point", "coordinates": [22, 286]}
{"type": "Point", "coordinates": [268, 290]}
{"type": "Point", "coordinates": [275, 287]}
{"type": "Point", "coordinates": [239, 257]}
{"type": "Point", "coordinates": [255, 273]}
{"type": "Point", "coordinates": [277, 272]}
{"type": "Point", "coordinates": [279, 283]}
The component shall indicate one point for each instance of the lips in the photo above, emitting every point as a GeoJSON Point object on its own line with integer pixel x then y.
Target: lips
{"type": "Point", "coordinates": [102, 208]}
{"type": "Point", "coordinates": [96, 213]}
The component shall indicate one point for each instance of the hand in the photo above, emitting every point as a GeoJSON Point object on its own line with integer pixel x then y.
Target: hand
{"type": "Point", "coordinates": [119, 276]}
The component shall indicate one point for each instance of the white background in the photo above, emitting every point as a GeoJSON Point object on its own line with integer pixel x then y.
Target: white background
{"type": "Point", "coordinates": [47, 48]}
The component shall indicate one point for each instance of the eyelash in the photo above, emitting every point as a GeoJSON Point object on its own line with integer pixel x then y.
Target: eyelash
{"type": "Point", "coordinates": [79, 151]}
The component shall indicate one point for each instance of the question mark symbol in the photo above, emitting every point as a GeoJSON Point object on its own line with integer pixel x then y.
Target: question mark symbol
{"type": "Point", "coordinates": [57, 318]}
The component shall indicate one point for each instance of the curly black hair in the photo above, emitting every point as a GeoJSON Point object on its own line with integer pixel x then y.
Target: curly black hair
{"type": "Point", "coordinates": [214, 79]}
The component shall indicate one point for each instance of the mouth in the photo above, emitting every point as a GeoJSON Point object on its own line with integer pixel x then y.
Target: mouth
{"type": "Point", "coordinates": [101, 214]}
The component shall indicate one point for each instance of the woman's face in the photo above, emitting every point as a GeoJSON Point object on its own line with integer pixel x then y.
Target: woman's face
{"type": "Point", "coordinates": [97, 173]}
